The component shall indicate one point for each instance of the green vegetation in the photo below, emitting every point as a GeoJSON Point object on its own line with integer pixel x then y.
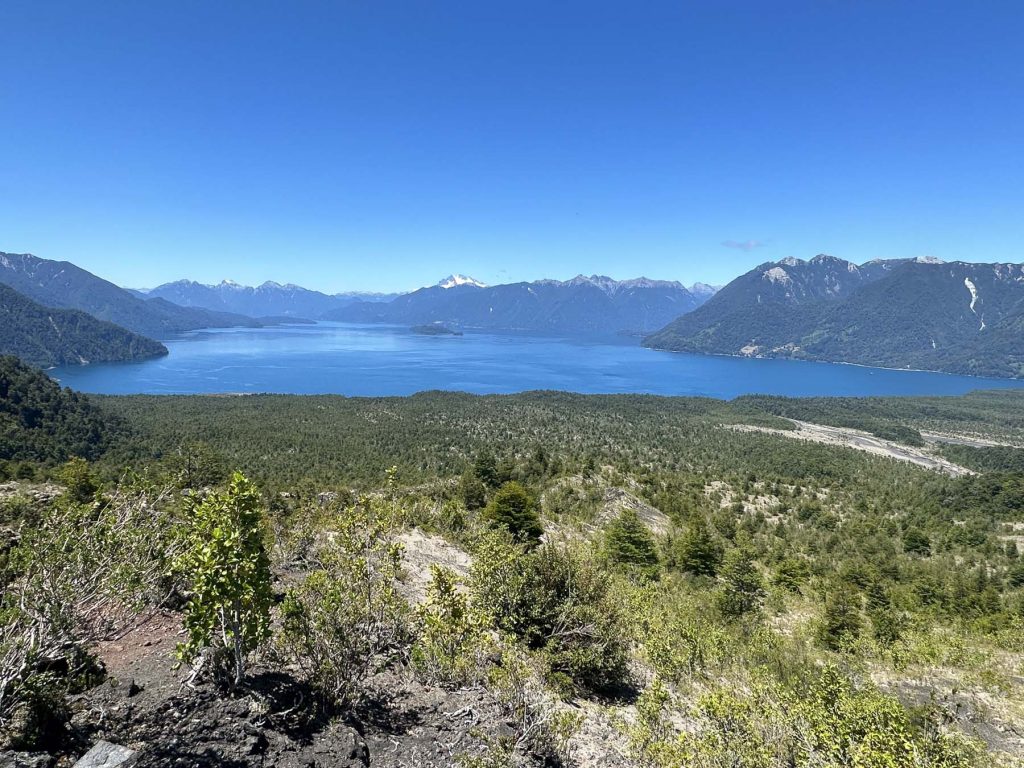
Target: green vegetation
{"type": "Point", "coordinates": [225, 568]}
{"type": "Point", "coordinates": [512, 509]}
{"type": "Point", "coordinates": [40, 422]}
{"type": "Point", "coordinates": [44, 336]}
{"type": "Point", "coordinates": [347, 614]}
{"type": "Point", "coordinates": [761, 601]}
{"type": "Point", "coordinates": [630, 544]}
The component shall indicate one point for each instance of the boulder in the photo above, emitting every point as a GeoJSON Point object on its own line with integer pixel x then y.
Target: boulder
{"type": "Point", "coordinates": [107, 755]}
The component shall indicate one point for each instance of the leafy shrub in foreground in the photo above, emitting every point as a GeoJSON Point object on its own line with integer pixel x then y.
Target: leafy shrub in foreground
{"type": "Point", "coordinates": [452, 644]}
{"type": "Point", "coordinates": [347, 615]}
{"type": "Point", "coordinates": [827, 723]}
{"type": "Point", "coordinates": [227, 572]}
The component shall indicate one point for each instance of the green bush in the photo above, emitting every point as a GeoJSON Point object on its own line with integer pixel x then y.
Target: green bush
{"type": "Point", "coordinates": [791, 573]}
{"type": "Point", "coordinates": [227, 572]}
{"type": "Point", "coordinates": [452, 645]}
{"type": "Point", "coordinates": [697, 551]}
{"type": "Point", "coordinates": [347, 615]}
{"type": "Point", "coordinates": [556, 600]}
{"type": "Point", "coordinates": [78, 480]}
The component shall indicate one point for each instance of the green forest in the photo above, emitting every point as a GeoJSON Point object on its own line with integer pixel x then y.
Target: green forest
{"type": "Point", "coordinates": [634, 575]}
{"type": "Point", "coordinates": [47, 337]}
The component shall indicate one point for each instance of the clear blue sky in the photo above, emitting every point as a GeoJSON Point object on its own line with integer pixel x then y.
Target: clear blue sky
{"type": "Point", "coordinates": [380, 145]}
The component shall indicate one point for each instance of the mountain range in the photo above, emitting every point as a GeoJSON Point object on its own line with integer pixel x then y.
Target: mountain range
{"type": "Point", "coordinates": [267, 300]}
{"type": "Point", "coordinates": [957, 317]}
{"type": "Point", "coordinates": [47, 337]}
{"type": "Point", "coordinates": [62, 285]}
{"type": "Point", "coordinates": [594, 304]}
{"type": "Point", "coordinates": [915, 313]}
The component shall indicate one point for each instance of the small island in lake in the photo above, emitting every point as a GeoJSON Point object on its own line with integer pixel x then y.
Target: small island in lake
{"type": "Point", "coordinates": [435, 329]}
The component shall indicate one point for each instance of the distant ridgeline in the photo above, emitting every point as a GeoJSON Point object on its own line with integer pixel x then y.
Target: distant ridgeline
{"type": "Point", "coordinates": [55, 313]}
{"type": "Point", "coordinates": [921, 313]}
{"type": "Point", "coordinates": [592, 304]}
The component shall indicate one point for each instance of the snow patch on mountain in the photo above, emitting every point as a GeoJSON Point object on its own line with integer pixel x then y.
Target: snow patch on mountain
{"type": "Point", "coordinates": [974, 300]}
{"type": "Point", "coordinates": [453, 280]}
{"type": "Point", "coordinates": [778, 275]}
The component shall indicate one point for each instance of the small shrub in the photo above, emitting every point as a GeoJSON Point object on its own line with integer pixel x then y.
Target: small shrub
{"type": "Point", "coordinates": [541, 728]}
{"type": "Point", "coordinates": [557, 600]}
{"type": "Point", "coordinates": [227, 572]}
{"type": "Point", "coordinates": [452, 645]}
{"type": "Point", "coordinates": [347, 615]}
{"type": "Point", "coordinates": [78, 480]}
{"type": "Point", "coordinates": [791, 573]}
{"type": "Point", "coordinates": [696, 551]}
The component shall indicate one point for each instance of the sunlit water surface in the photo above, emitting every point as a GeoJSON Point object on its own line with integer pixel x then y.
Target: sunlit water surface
{"type": "Point", "coordinates": [353, 359]}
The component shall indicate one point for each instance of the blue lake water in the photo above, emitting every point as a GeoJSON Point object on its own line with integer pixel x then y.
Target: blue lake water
{"type": "Point", "coordinates": [352, 359]}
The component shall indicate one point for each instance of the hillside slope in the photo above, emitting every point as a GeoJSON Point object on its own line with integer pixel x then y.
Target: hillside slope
{"type": "Point", "coordinates": [62, 285]}
{"type": "Point", "coordinates": [39, 421]}
{"type": "Point", "coordinates": [47, 337]}
{"type": "Point", "coordinates": [956, 317]}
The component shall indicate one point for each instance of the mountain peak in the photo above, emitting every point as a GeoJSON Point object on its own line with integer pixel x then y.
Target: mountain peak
{"type": "Point", "coordinates": [453, 280]}
{"type": "Point", "coordinates": [704, 290]}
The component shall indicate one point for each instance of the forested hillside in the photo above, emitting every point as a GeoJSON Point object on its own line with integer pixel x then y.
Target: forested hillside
{"type": "Point", "coordinates": [48, 337]}
{"type": "Point", "coordinates": [956, 317]}
{"type": "Point", "coordinates": [41, 422]}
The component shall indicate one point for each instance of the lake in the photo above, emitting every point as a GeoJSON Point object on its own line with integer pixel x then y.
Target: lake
{"type": "Point", "coordinates": [351, 359]}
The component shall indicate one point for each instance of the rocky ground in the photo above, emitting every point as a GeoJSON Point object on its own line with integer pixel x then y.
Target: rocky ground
{"type": "Point", "coordinates": [146, 705]}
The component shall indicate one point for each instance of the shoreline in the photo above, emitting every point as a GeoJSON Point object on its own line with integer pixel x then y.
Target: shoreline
{"type": "Point", "coordinates": [835, 362]}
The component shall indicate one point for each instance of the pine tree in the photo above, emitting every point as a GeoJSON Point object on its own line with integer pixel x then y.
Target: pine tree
{"type": "Point", "coordinates": [841, 622]}
{"type": "Point", "coordinates": [512, 508]}
{"type": "Point", "coordinates": [742, 587]}
{"type": "Point", "coordinates": [486, 469]}
{"type": "Point", "coordinates": [630, 543]}
{"type": "Point", "coordinates": [697, 551]}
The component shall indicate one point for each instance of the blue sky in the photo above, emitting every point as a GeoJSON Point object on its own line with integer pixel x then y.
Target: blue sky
{"type": "Point", "coordinates": [376, 145]}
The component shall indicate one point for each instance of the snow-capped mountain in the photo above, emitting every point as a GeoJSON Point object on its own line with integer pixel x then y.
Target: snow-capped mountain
{"type": "Point", "coordinates": [703, 290]}
{"type": "Point", "coordinates": [267, 300]}
{"type": "Point", "coordinates": [581, 304]}
{"type": "Point", "coordinates": [453, 280]}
